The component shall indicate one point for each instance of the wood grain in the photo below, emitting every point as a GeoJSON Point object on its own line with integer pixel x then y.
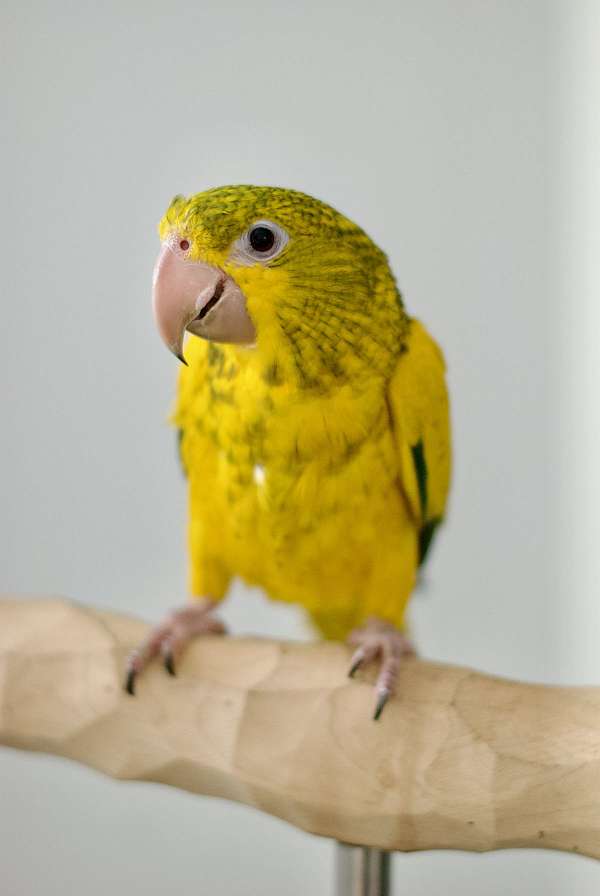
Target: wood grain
{"type": "Point", "coordinates": [458, 760]}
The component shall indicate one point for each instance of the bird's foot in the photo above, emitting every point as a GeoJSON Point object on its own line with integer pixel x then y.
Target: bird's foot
{"type": "Point", "coordinates": [378, 640]}
{"type": "Point", "coordinates": [170, 637]}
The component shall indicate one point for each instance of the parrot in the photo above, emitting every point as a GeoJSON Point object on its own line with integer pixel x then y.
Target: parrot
{"type": "Point", "coordinates": [313, 420]}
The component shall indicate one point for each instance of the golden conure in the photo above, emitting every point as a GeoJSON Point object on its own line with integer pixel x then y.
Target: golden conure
{"type": "Point", "coordinates": [313, 418]}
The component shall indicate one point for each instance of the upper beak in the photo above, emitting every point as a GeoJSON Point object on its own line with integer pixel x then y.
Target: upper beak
{"type": "Point", "coordinates": [198, 297]}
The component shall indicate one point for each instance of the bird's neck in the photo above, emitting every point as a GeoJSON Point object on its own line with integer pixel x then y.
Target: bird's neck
{"type": "Point", "coordinates": [320, 350]}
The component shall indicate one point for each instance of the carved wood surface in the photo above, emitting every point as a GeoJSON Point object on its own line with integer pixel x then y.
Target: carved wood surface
{"type": "Point", "coordinates": [458, 760]}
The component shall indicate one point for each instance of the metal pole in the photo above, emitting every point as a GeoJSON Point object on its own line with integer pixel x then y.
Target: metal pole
{"type": "Point", "coordinates": [361, 871]}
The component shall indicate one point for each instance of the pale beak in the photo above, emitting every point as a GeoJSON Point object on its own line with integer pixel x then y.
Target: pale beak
{"type": "Point", "coordinates": [199, 298]}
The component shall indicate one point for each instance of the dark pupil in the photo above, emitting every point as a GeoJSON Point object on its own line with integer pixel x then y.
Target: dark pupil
{"type": "Point", "coordinates": [261, 239]}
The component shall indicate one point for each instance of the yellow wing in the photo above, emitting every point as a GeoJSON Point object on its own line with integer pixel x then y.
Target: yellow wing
{"type": "Point", "coordinates": [419, 409]}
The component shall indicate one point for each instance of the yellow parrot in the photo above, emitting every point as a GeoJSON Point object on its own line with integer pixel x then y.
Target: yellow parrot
{"type": "Point", "coordinates": [313, 419]}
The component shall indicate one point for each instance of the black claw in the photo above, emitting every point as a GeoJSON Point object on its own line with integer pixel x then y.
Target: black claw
{"type": "Point", "coordinates": [383, 699]}
{"type": "Point", "coordinates": [170, 664]}
{"type": "Point", "coordinates": [355, 667]}
{"type": "Point", "coordinates": [130, 682]}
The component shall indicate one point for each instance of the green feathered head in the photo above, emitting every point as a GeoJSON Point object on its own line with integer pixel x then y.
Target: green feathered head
{"type": "Point", "coordinates": [280, 269]}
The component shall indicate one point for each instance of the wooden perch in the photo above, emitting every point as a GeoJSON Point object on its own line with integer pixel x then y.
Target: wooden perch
{"type": "Point", "coordinates": [458, 760]}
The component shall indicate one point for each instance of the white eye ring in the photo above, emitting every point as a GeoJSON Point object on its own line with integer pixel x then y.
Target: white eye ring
{"type": "Point", "coordinates": [247, 249]}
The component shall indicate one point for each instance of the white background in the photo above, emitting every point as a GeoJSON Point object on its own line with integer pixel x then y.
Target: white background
{"type": "Point", "coordinates": [461, 134]}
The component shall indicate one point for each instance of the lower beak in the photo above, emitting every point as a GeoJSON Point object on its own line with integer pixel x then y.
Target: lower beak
{"type": "Point", "coordinates": [200, 298]}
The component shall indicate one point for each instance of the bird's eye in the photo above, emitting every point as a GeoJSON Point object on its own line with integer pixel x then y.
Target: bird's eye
{"type": "Point", "coordinates": [261, 238]}
{"type": "Point", "coordinates": [184, 245]}
{"type": "Point", "coordinates": [262, 242]}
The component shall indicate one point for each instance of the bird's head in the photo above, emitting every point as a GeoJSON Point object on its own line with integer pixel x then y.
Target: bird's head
{"type": "Point", "coordinates": [280, 270]}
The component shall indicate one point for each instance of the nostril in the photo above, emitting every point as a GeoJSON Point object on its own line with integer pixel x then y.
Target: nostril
{"type": "Point", "coordinates": [184, 245]}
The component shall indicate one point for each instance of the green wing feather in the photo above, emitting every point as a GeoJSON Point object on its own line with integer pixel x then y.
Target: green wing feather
{"type": "Point", "coordinates": [419, 409]}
